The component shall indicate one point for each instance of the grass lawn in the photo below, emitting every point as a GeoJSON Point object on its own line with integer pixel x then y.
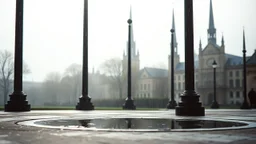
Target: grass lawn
{"type": "Point", "coordinates": [108, 108]}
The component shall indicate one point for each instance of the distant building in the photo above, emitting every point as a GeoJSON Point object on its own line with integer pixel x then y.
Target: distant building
{"type": "Point", "coordinates": [146, 82]}
{"type": "Point", "coordinates": [229, 73]}
{"type": "Point", "coordinates": [155, 83]}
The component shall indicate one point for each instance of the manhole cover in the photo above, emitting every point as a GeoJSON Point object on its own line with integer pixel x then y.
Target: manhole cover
{"type": "Point", "coordinates": [138, 124]}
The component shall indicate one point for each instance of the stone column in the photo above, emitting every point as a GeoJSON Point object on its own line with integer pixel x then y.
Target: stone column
{"type": "Point", "coordinates": [18, 102]}
{"type": "Point", "coordinates": [85, 100]}
{"type": "Point", "coordinates": [189, 104]}
{"type": "Point", "coordinates": [129, 103]}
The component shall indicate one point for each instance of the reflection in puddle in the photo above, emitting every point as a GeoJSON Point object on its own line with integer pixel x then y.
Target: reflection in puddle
{"type": "Point", "coordinates": [141, 123]}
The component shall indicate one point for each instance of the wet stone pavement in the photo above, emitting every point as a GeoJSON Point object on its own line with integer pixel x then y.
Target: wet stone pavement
{"type": "Point", "coordinates": [14, 129]}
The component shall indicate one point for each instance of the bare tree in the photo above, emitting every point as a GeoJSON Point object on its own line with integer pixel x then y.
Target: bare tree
{"type": "Point", "coordinates": [114, 70]}
{"type": "Point", "coordinates": [6, 72]}
{"type": "Point", "coordinates": [51, 86]}
{"type": "Point", "coordinates": [74, 71]}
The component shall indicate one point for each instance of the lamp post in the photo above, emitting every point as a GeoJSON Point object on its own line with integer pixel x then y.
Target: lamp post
{"type": "Point", "coordinates": [215, 104]}
{"type": "Point", "coordinates": [172, 103]}
{"type": "Point", "coordinates": [85, 100]}
{"type": "Point", "coordinates": [129, 103]}
{"type": "Point", "coordinates": [245, 104]}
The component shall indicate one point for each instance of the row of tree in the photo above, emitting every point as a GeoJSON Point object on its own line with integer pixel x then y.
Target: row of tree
{"type": "Point", "coordinates": [6, 73]}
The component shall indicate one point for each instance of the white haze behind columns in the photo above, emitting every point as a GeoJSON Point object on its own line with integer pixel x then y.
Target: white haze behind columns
{"type": "Point", "coordinates": [53, 30]}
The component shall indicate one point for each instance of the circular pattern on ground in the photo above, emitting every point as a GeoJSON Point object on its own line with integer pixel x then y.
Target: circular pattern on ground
{"type": "Point", "coordinates": [142, 124]}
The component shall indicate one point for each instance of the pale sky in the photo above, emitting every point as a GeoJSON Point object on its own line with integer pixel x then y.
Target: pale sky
{"type": "Point", "coordinates": [53, 30]}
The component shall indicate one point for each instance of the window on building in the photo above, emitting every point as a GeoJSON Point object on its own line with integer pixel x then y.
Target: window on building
{"type": "Point", "coordinates": [148, 94]}
{"type": "Point", "coordinates": [237, 83]}
{"type": "Point", "coordinates": [148, 86]}
{"type": "Point", "coordinates": [178, 77]}
{"type": "Point", "coordinates": [145, 96]}
{"type": "Point", "coordinates": [238, 103]}
{"type": "Point", "coordinates": [230, 73]}
{"type": "Point", "coordinates": [237, 94]}
{"type": "Point", "coordinates": [196, 76]}
{"type": "Point", "coordinates": [237, 73]}
{"type": "Point", "coordinates": [231, 94]}
{"type": "Point", "coordinates": [141, 87]}
{"type": "Point", "coordinates": [179, 86]}
{"type": "Point", "coordinates": [145, 86]}
{"type": "Point", "coordinates": [231, 83]}
{"type": "Point", "coordinates": [231, 102]}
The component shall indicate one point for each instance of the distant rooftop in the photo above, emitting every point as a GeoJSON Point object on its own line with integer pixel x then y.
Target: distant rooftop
{"type": "Point", "coordinates": [155, 72]}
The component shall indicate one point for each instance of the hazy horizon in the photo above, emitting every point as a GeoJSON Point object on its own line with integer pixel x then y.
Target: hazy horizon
{"type": "Point", "coordinates": [53, 30]}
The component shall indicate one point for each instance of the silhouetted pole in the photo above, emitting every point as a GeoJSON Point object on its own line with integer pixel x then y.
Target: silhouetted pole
{"type": "Point", "coordinates": [189, 104]}
{"type": "Point", "coordinates": [18, 102]}
{"type": "Point", "coordinates": [129, 103]}
{"type": "Point", "coordinates": [172, 103]}
{"type": "Point", "coordinates": [215, 104]}
{"type": "Point", "coordinates": [85, 100]}
{"type": "Point", "coordinates": [245, 104]}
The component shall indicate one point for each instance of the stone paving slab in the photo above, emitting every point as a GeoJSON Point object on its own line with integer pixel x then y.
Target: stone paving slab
{"type": "Point", "coordinates": [11, 133]}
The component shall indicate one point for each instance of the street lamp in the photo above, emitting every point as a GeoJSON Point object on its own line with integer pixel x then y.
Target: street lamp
{"type": "Point", "coordinates": [215, 104]}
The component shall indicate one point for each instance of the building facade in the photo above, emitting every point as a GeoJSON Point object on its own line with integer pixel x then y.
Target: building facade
{"type": "Point", "coordinates": [156, 83]}
{"type": "Point", "coordinates": [229, 72]}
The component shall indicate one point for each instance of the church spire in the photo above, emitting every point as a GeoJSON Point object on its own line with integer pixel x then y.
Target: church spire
{"type": "Point", "coordinates": [222, 40]}
{"type": "Point", "coordinates": [174, 37]}
{"type": "Point", "coordinates": [211, 29]}
{"type": "Point", "coordinates": [244, 47]}
{"type": "Point", "coordinates": [131, 24]}
{"type": "Point", "coordinates": [133, 45]}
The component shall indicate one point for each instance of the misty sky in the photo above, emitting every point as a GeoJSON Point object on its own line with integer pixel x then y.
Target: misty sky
{"type": "Point", "coordinates": [53, 30]}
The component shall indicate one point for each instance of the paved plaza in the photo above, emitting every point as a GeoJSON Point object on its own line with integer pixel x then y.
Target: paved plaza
{"type": "Point", "coordinates": [13, 133]}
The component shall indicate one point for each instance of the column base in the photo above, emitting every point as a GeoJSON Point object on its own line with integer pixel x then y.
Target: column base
{"type": "Point", "coordinates": [189, 105]}
{"type": "Point", "coordinates": [171, 105]}
{"type": "Point", "coordinates": [17, 103]}
{"type": "Point", "coordinates": [84, 103]}
{"type": "Point", "coordinates": [215, 105]}
{"type": "Point", "coordinates": [245, 105]}
{"type": "Point", "coordinates": [129, 104]}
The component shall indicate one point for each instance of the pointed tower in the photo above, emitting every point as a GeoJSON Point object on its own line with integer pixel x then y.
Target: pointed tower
{"type": "Point", "coordinates": [133, 44]}
{"type": "Point", "coordinates": [222, 41]}
{"type": "Point", "coordinates": [211, 29]}
{"type": "Point", "coordinates": [134, 52]}
{"type": "Point", "coordinates": [200, 47]}
{"type": "Point", "coordinates": [176, 55]}
{"type": "Point", "coordinates": [173, 27]}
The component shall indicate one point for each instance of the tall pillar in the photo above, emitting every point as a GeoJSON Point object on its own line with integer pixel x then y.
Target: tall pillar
{"type": "Point", "coordinates": [18, 102]}
{"type": "Point", "coordinates": [245, 104]}
{"type": "Point", "coordinates": [189, 104]}
{"type": "Point", "coordinates": [85, 100]}
{"type": "Point", "coordinates": [172, 103]}
{"type": "Point", "coordinates": [129, 103]}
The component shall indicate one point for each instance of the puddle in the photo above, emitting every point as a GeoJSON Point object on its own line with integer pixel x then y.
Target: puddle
{"type": "Point", "coordinates": [137, 124]}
